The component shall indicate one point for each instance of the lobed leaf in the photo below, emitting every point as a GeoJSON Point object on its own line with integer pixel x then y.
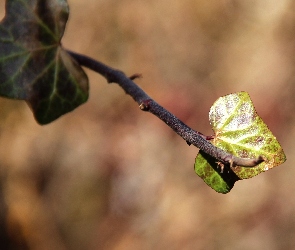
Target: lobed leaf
{"type": "Point", "coordinates": [33, 65]}
{"type": "Point", "coordinates": [240, 131]}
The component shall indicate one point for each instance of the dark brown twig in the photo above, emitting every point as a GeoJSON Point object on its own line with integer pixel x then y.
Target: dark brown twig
{"type": "Point", "coordinates": [148, 104]}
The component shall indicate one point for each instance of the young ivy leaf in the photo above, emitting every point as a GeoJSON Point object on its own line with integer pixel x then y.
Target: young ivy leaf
{"type": "Point", "coordinates": [240, 131]}
{"type": "Point", "coordinates": [33, 65]}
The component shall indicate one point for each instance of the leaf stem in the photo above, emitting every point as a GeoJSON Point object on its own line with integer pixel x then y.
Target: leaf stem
{"type": "Point", "coordinates": [146, 103]}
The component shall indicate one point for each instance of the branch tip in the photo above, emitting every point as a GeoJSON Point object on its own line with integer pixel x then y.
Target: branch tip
{"type": "Point", "coordinates": [246, 162]}
{"type": "Point", "coordinates": [260, 159]}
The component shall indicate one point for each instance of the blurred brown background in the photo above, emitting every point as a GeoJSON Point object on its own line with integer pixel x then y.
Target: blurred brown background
{"type": "Point", "coordinates": [108, 176]}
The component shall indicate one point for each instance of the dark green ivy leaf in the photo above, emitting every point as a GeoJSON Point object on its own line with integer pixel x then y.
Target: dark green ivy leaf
{"type": "Point", "coordinates": [33, 65]}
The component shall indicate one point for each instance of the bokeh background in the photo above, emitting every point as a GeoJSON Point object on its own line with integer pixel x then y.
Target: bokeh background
{"type": "Point", "coordinates": [108, 176]}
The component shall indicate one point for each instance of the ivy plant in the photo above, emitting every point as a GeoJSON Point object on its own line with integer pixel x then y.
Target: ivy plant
{"type": "Point", "coordinates": [36, 68]}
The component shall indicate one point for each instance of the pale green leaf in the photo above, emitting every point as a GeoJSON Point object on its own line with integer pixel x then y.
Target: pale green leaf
{"type": "Point", "coordinates": [240, 131]}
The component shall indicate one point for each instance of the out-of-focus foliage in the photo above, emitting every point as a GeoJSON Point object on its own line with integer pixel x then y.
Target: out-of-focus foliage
{"type": "Point", "coordinates": [240, 131]}
{"type": "Point", "coordinates": [104, 178]}
{"type": "Point", "coordinates": [33, 65]}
